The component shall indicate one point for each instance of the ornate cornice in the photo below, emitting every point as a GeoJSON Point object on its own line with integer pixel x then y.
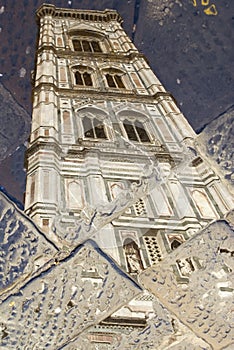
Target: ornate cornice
{"type": "Point", "coordinates": [95, 94]}
{"type": "Point", "coordinates": [106, 151]}
{"type": "Point", "coordinates": [85, 15]}
{"type": "Point", "coordinates": [163, 95]}
{"type": "Point", "coordinates": [128, 56]}
{"type": "Point", "coordinates": [38, 145]}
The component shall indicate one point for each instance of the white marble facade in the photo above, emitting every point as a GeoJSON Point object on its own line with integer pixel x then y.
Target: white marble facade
{"type": "Point", "coordinates": [100, 119]}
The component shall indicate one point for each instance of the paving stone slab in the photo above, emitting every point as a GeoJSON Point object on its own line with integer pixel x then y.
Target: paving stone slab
{"type": "Point", "coordinates": [59, 304]}
{"type": "Point", "coordinates": [23, 248]}
{"type": "Point", "coordinates": [195, 282]}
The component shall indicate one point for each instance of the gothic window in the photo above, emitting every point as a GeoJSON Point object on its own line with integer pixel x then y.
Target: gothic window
{"type": "Point", "coordinates": [115, 81]}
{"type": "Point", "coordinates": [94, 128]}
{"type": "Point", "coordinates": [83, 78]}
{"type": "Point", "coordinates": [133, 257]}
{"type": "Point", "coordinates": [135, 131]}
{"type": "Point", "coordinates": [82, 45]}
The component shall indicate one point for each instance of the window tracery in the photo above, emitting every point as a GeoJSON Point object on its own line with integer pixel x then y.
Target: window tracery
{"type": "Point", "coordinates": [114, 81]}
{"type": "Point", "coordinates": [135, 130]}
{"type": "Point", "coordinates": [115, 78]}
{"type": "Point", "coordinates": [94, 128]}
{"type": "Point", "coordinates": [83, 78]}
{"type": "Point", "coordinates": [83, 45]}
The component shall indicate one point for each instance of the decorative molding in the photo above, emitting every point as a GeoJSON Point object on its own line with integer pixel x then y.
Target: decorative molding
{"type": "Point", "coordinates": [203, 300]}
{"type": "Point", "coordinates": [82, 15]}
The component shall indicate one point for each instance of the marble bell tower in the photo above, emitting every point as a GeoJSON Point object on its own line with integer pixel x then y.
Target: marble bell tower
{"type": "Point", "coordinates": [109, 143]}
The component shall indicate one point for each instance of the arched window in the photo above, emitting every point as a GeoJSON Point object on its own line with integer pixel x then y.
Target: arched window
{"type": "Point", "coordinates": [94, 128]}
{"type": "Point", "coordinates": [133, 257]}
{"type": "Point", "coordinates": [82, 45]}
{"type": "Point", "coordinates": [83, 78]}
{"type": "Point", "coordinates": [135, 131]}
{"type": "Point", "coordinates": [114, 81]}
